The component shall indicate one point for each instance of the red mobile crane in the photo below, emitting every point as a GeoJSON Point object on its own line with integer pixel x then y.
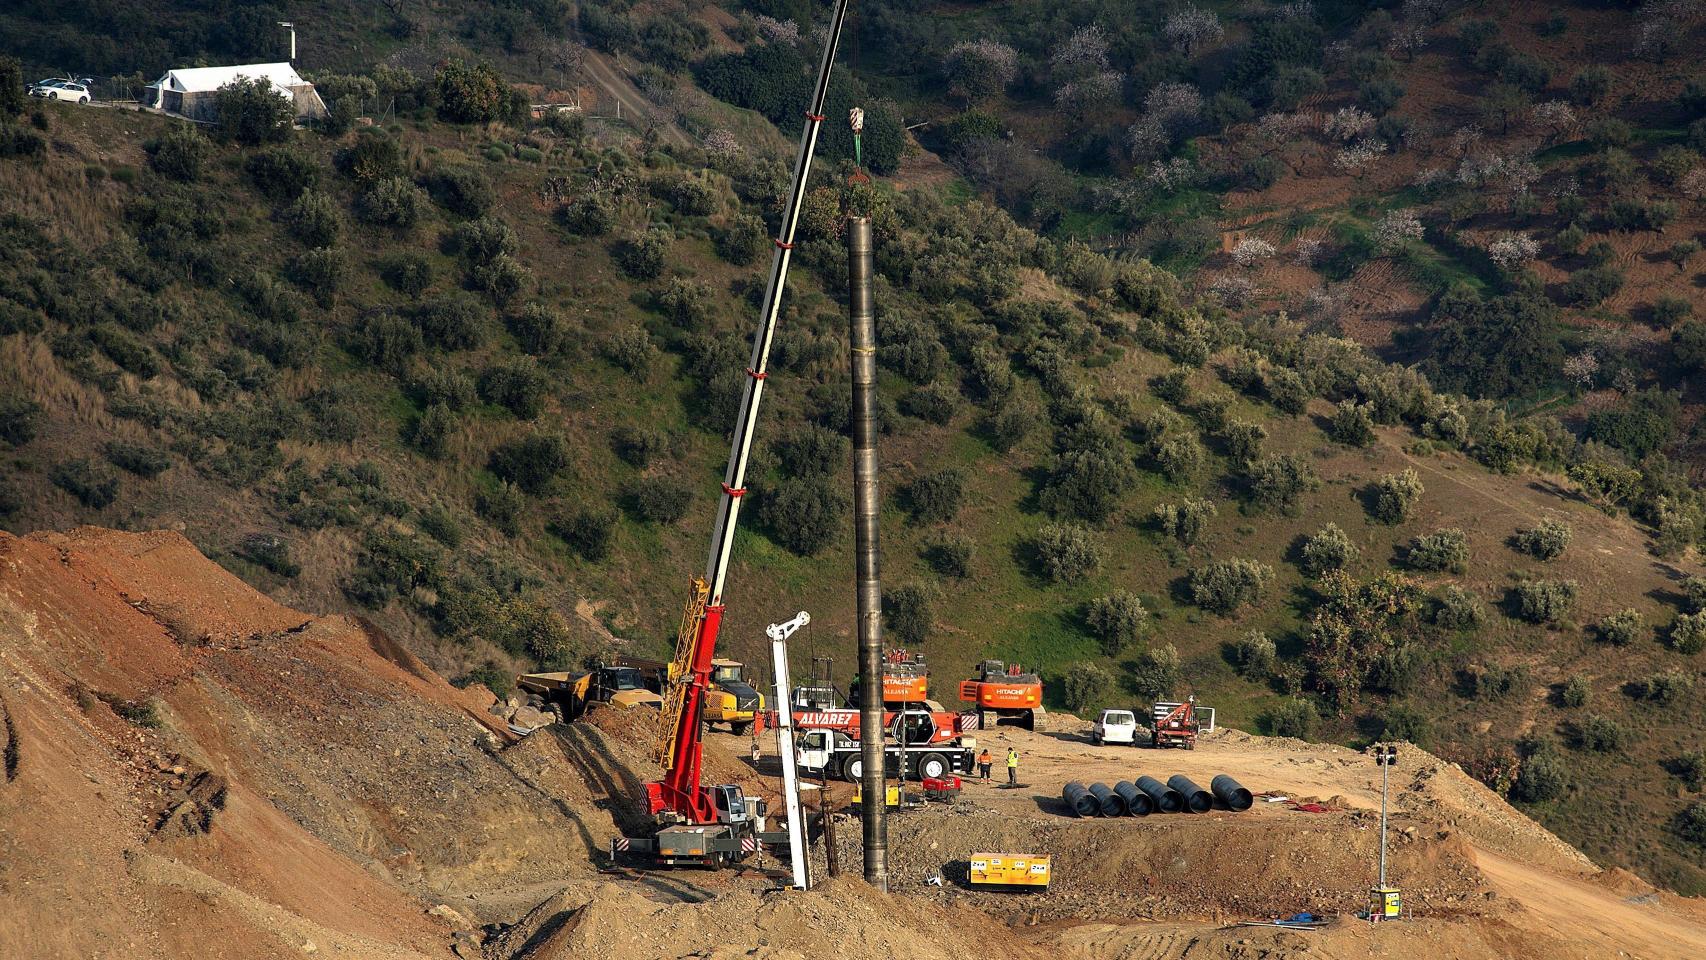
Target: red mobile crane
{"type": "Point", "coordinates": [718, 825]}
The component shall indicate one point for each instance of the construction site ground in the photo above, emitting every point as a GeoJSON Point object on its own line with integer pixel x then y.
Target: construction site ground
{"type": "Point", "coordinates": [193, 770]}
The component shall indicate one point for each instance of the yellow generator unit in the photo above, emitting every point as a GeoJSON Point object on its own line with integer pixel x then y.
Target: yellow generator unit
{"type": "Point", "coordinates": [1385, 903]}
{"type": "Point", "coordinates": [1010, 870]}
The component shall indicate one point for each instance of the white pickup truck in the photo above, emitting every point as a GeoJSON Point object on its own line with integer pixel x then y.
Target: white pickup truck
{"type": "Point", "coordinates": [1114, 726]}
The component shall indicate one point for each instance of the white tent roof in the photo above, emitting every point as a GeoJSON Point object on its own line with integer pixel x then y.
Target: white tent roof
{"type": "Point", "coordinates": [207, 79]}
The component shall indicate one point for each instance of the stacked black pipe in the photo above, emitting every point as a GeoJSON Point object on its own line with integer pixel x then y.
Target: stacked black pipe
{"type": "Point", "coordinates": [1148, 795]}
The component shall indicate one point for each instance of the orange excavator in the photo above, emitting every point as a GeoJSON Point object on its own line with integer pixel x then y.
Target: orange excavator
{"type": "Point", "coordinates": [1006, 691]}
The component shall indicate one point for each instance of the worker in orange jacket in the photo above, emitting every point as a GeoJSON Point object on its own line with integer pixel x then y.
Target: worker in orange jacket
{"type": "Point", "coordinates": [985, 760]}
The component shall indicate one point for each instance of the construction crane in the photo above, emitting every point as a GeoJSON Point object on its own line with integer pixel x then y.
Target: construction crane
{"type": "Point", "coordinates": [717, 825]}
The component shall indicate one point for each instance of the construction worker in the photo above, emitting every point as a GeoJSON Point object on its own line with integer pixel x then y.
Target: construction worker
{"type": "Point", "coordinates": [1012, 767]}
{"type": "Point", "coordinates": [984, 761]}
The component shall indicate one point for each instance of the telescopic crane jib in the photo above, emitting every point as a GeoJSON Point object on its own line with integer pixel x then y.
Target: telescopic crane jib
{"type": "Point", "coordinates": [679, 798]}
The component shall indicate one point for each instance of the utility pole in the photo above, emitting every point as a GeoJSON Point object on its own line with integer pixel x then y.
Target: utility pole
{"type": "Point", "coordinates": [862, 336]}
{"type": "Point", "coordinates": [288, 25]}
{"type": "Point", "coordinates": [1386, 903]}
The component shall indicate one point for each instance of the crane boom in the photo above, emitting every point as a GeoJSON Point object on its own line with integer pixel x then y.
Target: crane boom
{"type": "Point", "coordinates": [679, 794]}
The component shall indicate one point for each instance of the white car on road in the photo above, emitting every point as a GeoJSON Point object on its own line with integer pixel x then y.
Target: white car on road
{"type": "Point", "coordinates": [1114, 726]}
{"type": "Point", "coordinates": [61, 90]}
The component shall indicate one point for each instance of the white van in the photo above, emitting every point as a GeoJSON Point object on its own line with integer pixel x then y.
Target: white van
{"type": "Point", "coordinates": [1114, 726]}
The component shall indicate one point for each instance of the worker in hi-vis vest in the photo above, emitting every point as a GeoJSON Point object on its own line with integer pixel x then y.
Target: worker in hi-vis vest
{"type": "Point", "coordinates": [1012, 766]}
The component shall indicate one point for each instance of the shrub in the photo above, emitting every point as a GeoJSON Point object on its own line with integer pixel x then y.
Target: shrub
{"type": "Point", "coordinates": [313, 219]}
{"type": "Point", "coordinates": [1406, 724]}
{"type": "Point", "coordinates": [269, 551]}
{"type": "Point", "coordinates": [1544, 542]}
{"type": "Point", "coordinates": [659, 499]}
{"type": "Point", "coordinates": [482, 241]}
{"type": "Point", "coordinates": [1602, 734]}
{"type": "Point", "coordinates": [1087, 484]}
{"type": "Point", "coordinates": [1352, 424]}
{"type": "Point", "coordinates": [587, 530]}
{"type": "Point", "coordinates": [1497, 683]}
{"type": "Point", "coordinates": [1576, 692]}
{"type": "Point", "coordinates": [1328, 549]}
{"type": "Point", "coordinates": [321, 272]}
{"type": "Point", "coordinates": [934, 402]}
{"type": "Point", "coordinates": [370, 159]}
{"type": "Point", "coordinates": [1174, 386]}
{"type": "Point", "coordinates": [1244, 440]}
{"type": "Point", "coordinates": [1543, 776]}
{"type": "Point", "coordinates": [1185, 522]}
{"type": "Point", "coordinates": [1086, 685]}
{"type": "Point", "coordinates": [407, 272]}
{"type": "Point", "coordinates": [1008, 426]}
{"type": "Point", "coordinates": [1545, 601]}
{"type": "Point", "coordinates": [453, 322]}
{"type": "Point", "coordinates": [501, 506]}
{"type": "Point", "coordinates": [1691, 824]}
{"type": "Point", "coordinates": [1254, 656]}
{"type": "Point", "coordinates": [1117, 620]}
{"type": "Point", "coordinates": [1156, 672]}
{"type": "Point", "coordinates": [532, 461]}
{"type": "Point", "coordinates": [470, 93]}
{"type": "Point", "coordinates": [1442, 550]}
{"type": "Point", "coordinates": [179, 153]}
{"type": "Point", "coordinates": [637, 446]}
{"type": "Point", "coordinates": [907, 611]}
{"type": "Point", "coordinates": [1396, 496]}
{"type": "Point", "coordinates": [1068, 552]}
{"type": "Point", "coordinates": [1223, 586]}
{"type": "Point", "coordinates": [537, 328]}
{"type": "Point", "coordinates": [462, 189]}
{"type": "Point", "coordinates": [631, 349]}
{"type": "Point", "coordinates": [591, 214]}
{"type": "Point", "coordinates": [1666, 688]}
{"type": "Point", "coordinates": [1693, 594]}
{"type": "Point", "coordinates": [741, 240]}
{"type": "Point", "coordinates": [1668, 311]}
{"type": "Point", "coordinates": [1279, 482]}
{"type": "Point", "coordinates": [643, 254]}
{"type": "Point", "coordinates": [92, 484]}
{"type": "Point", "coordinates": [1591, 286]}
{"type": "Point", "coordinates": [251, 112]}
{"type": "Point", "coordinates": [936, 497]}
{"type": "Point", "coordinates": [950, 555]}
{"type": "Point", "coordinates": [18, 420]}
{"type": "Point", "coordinates": [518, 385]}
{"type": "Point", "coordinates": [1292, 718]}
{"type": "Point", "coordinates": [804, 514]}
{"type": "Point", "coordinates": [1622, 628]}
{"type": "Point", "coordinates": [392, 202]}
{"type": "Point", "coordinates": [445, 385]}
{"type": "Point", "coordinates": [1180, 458]}
{"type": "Point", "coordinates": [1691, 769]}
{"type": "Point", "coordinates": [431, 432]}
{"type": "Point", "coordinates": [386, 340]}
{"type": "Point", "coordinates": [1687, 633]}
{"type": "Point", "coordinates": [135, 458]}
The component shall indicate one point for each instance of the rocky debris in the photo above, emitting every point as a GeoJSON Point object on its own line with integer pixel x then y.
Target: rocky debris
{"type": "Point", "coordinates": [192, 803]}
{"type": "Point", "coordinates": [523, 716]}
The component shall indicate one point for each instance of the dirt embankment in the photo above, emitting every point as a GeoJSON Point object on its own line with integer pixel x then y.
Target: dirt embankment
{"type": "Point", "coordinates": [192, 770]}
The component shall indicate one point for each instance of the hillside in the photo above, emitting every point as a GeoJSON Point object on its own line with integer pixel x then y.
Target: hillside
{"type": "Point", "coordinates": [196, 770]}
{"type": "Point", "coordinates": [470, 380]}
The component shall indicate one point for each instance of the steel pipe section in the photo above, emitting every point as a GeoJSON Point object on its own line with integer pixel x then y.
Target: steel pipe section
{"type": "Point", "coordinates": [1231, 793]}
{"type": "Point", "coordinates": [1079, 800]}
{"type": "Point", "coordinates": [1165, 798]}
{"type": "Point", "coordinates": [1109, 801]}
{"type": "Point", "coordinates": [1137, 803]}
{"type": "Point", "coordinates": [1197, 800]}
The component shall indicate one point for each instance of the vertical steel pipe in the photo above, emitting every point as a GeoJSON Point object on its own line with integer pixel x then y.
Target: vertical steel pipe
{"type": "Point", "coordinates": [862, 336]}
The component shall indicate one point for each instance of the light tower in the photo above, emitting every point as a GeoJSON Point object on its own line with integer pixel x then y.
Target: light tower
{"type": "Point", "coordinates": [1385, 902]}
{"type": "Point", "coordinates": [288, 25]}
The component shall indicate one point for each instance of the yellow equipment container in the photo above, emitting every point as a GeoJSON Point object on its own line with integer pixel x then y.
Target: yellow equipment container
{"type": "Point", "coordinates": [1387, 903]}
{"type": "Point", "coordinates": [1010, 869]}
{"type": "Point", "coordinates": [891, 796]}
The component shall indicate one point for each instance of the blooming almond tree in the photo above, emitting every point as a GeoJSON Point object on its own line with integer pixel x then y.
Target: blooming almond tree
{"type": "Point", "coordinates": [977, 70]}
{"type": "Point", "coordinates": [1393, 231]}
{"type": "Point", "coordinates": [1192, 30]}
{"type": "Point", "coordinates": [1251, 251]}
{"type": "Point", "coordinates": [1513, 250]}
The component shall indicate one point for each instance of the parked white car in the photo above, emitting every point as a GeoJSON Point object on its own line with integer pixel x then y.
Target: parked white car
{"type": "Point", "coordinates": [1114, 726]}
{"type": "Point", "coordinates": [61, 90]}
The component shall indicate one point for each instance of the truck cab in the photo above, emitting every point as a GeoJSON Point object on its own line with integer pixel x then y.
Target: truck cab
{"type": "Point", "coordinates": [1114, 726]}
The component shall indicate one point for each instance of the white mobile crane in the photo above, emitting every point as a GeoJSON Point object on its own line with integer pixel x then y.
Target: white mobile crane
{"type": "Point", "coordinates": [718, 825]}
